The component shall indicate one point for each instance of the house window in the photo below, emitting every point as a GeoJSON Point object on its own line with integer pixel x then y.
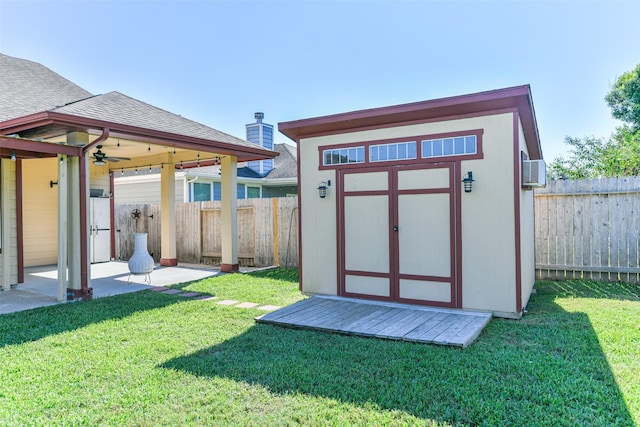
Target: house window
{"type": "Point", "coordinates": [241, 191]}
{"type": "Point", "coordinates": [456, 146]}
{"type": "Point", "coordinates": [343, 156]}
{"type": "Point", "coordinates": [253, 192]}
{"type": "Point", "coordinates": [201, 192]}
{"type": "Point", "coordinates": [392, 151]}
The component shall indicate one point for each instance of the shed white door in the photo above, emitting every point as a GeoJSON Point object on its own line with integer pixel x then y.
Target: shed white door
{"type": "Point", "coordinates": [398, 234]}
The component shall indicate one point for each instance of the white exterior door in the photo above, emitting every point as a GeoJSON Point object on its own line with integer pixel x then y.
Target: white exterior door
{"type": "Point", "coordinates": [398, 234]}
{"type": "Point", "coordinates": [100, 215]}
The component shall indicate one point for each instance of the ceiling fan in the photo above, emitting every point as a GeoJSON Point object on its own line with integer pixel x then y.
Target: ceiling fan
{"type": "Point", "coordinates": [100, 158]}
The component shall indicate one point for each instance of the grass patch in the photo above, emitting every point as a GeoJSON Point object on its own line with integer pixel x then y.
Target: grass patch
{"type": "Point", "coordinates": [151, 359]}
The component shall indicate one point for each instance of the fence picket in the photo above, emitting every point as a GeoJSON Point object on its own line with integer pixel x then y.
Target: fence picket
{"type": "Point", "coordinates": [592, 229]}
{"type": "Point", "coordinates": [198, 231]}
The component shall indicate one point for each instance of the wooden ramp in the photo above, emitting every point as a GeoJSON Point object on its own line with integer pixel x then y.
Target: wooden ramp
{"type": "Point", "coordinates": [382, 320]}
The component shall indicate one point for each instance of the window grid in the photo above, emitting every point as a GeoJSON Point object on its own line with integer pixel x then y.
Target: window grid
{"type": "Point", "coordinates": [443, 147]}
{"type": "Point", "coordinates": [392, 151]}
{"type": "Point", "coordinates": [343, 156]}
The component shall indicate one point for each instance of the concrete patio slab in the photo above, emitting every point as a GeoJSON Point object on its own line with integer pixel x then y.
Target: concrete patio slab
{"type": "Point", "coordinates": [107, 279]}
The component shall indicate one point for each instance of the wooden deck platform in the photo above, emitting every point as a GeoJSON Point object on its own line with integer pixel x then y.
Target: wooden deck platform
{"type": "Point", "coordinates": [382, 320]}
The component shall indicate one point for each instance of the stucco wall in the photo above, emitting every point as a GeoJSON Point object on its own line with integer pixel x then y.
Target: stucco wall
{"type": "Point", "coordinates": [488, 222]}
{"type": "Point", "coordinates": [40, 211]}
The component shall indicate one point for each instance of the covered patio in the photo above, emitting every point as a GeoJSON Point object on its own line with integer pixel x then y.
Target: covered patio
{"type": "Point", "coordinates": [60, 145]}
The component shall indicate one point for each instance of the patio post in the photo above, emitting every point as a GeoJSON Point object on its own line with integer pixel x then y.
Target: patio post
{"type": "Point", "coordinates": [77, 216]}
{"type": "Point", "coordinates": [168, 254]}
{"type": "Point", "coordinates": [62, 228]}
{"type": "Point", "coordinates": [229, 187]}
{"type": "Point", "coordinates": [6, 169]}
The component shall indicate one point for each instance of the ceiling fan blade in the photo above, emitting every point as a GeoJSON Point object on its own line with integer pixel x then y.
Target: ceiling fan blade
{"type": "Point", "coordinates": [115, 158]}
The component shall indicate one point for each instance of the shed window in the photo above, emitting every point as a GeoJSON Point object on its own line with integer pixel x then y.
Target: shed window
{"type": "Point", "coordinates": [343, 156]}
{"type": "Point", "coordinates": [392, 151]}
{"type": "Point", "coordinates": [443, 147]}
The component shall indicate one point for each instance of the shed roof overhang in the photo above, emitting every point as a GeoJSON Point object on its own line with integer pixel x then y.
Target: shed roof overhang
{"type": "Point", "coordinates": [48, 124]}
{"type": "Point", "coordinates": [514, 98]}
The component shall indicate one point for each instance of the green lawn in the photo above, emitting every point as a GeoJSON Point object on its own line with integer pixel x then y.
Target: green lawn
{"type": "Point", "coordinates": [151, 359]}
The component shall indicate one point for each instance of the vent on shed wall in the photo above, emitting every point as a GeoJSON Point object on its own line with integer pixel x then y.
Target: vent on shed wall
{"type": "Point", "coordinates": [534, 173]}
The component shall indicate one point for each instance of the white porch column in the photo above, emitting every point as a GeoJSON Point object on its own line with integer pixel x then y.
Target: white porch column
{"type": "Point", "coordinates": [73, 222]}
{"type": "Point", "coordinates": [6, 169]}
{"type": "Point", "coordinates": [168, 253]}
{"type": "Point", "coordinates": [62, 227]}
{"type": "Point", "coordinates": [229, 187]}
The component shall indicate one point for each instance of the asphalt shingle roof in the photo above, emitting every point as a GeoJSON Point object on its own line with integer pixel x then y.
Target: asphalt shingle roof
{"type": "Point", "coordinates": [286, 164]}
{"type": "Point", "coordinates": [118, 108]}
{"type": "Point", "coordinates": [27, 87]}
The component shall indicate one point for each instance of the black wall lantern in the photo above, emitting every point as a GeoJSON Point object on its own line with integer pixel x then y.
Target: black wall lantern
{"type": "Point", "coordinates": [322, 189]}
{"type": "Point", "coordinates": [468, 182]}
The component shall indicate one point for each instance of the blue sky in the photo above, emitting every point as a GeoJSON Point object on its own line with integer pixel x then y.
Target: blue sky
{"type": "Point", "coordinates": [218, 62]}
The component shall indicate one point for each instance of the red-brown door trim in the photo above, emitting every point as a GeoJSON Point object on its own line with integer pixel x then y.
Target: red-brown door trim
{"type": "Point", "coordinates": [394, 275]}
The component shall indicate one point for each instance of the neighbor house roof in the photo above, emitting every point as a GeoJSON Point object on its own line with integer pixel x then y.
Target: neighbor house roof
{"type": "Point", "coordinates": [518, 98]}
{"type": "Point", "coordinates": [67, 108]}
{"type": "Point", "coordinates": [285, 165]}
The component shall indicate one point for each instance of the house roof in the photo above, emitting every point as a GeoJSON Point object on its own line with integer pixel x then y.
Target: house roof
{"type": "Point", "coordinates": [285, 165]}
{"type": "Point", "coordinates": [518, 98]}
{"type": "Point", "coordinates": [27, 87]}
{"type": "Point", "coordinates": [66, 108]}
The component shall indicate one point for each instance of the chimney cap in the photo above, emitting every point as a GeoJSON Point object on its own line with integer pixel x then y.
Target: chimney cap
{"type": "Point", "coordinates": [259, 117]}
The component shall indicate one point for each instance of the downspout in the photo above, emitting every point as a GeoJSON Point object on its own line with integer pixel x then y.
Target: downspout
{"type": "Point", "coordinates": [101, 138]}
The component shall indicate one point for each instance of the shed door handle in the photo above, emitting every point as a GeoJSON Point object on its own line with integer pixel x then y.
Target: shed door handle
{"type": "Point", "coordinates": [395, 228]}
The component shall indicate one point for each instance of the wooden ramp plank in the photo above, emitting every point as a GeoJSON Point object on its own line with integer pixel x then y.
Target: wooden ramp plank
{"type": "Point", "coordinates": [318, 307]}
{"type": "Point", "coordinates": [300, 305]}
{"type": "Point", "coordinates": [328, 313]}
{"type": "Point", "coordinates": [448, 335]}
{"type": "Point", "coordinates": [429, 329]}
{"type": "Point", "coordinates": [340, 320]}
{"type": "Point", "coordinates": [363, 323]}
{"type": "Point", "coordinates": [382, 320]}
{"type": "Point", "coordinates": [471, 332]}
{"type": "Point", "coordinates": [406, 324]}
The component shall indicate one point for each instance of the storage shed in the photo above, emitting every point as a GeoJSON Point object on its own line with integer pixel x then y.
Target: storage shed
{"type": "Point", "coordinates": [425, 203]}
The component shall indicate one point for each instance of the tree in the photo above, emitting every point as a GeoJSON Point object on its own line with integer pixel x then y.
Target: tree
{"type": "Point", "coordinates": [624, 98]}
{"type": "Point", "coordinates": [592, 157]}
{"type": "Point", "coordinates": [584, 160]}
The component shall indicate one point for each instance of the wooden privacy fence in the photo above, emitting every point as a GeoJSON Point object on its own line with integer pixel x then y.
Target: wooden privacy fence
{"type": "Point", "coordinates": [588, 229]}
{"type": "Point", "coordinates": [267, 231]}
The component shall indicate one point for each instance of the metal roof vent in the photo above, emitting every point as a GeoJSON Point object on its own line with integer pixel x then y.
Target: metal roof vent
{"type": "Point", "coordinates": [259, 117]}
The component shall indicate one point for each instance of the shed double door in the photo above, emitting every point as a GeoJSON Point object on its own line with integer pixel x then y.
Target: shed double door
{"type": "Point", "coordinates": [398, 234]}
